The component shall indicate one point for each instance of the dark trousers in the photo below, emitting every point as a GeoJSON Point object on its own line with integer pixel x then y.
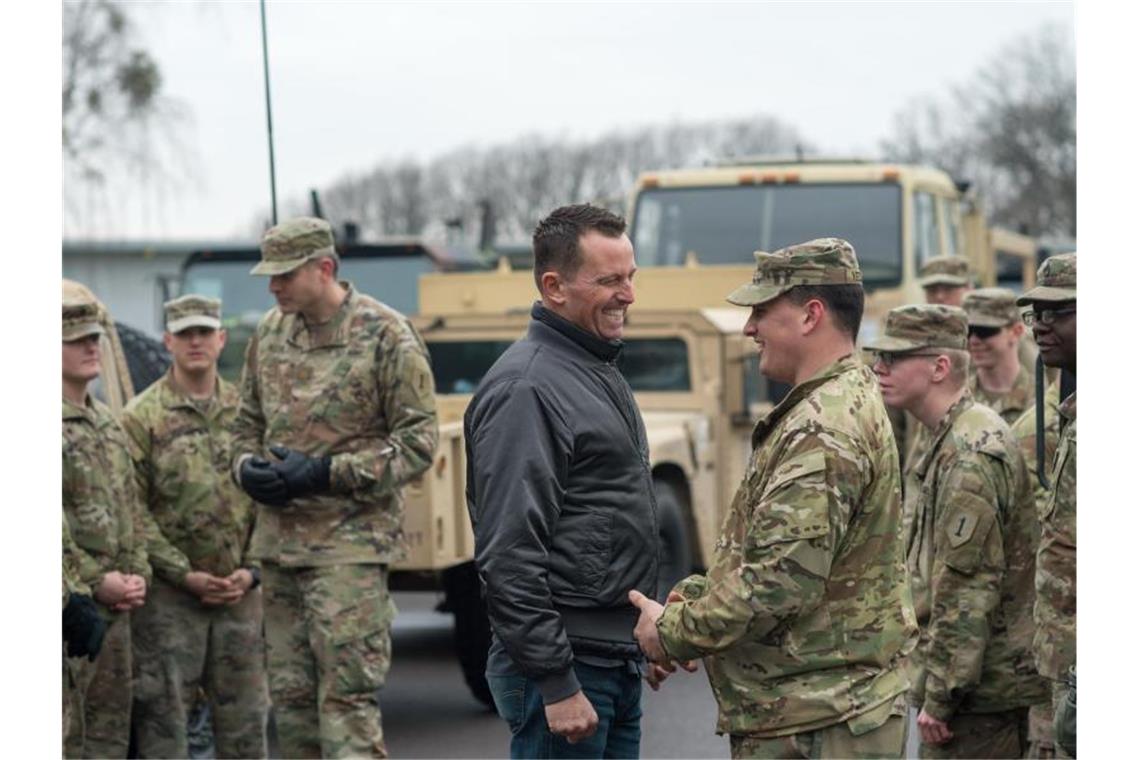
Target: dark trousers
{"type": "Point", "coordinates": [615, 694]}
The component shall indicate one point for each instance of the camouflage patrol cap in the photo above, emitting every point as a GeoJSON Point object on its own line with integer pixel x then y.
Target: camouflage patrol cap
{"type": "Point", "coordinates": [945, 270]}
{"type": "Point", "coordinates": [291, 243]}
{"type": "Point", "coordinates": [192, 311]}
{"type": "Point", "coordinates": [921, 325]}
{"type": "Point", "coordinates": [991, 307]}
{"type": "Point", "coordinates": [1056, 280]}
{"type": "Point", "coordinates": [80, 319]}
{"type": "Point", "coordinates": [825, 261]}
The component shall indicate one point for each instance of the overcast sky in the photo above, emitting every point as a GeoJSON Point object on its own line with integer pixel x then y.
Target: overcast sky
{"type": "Point", "coordinates": [354, 84]}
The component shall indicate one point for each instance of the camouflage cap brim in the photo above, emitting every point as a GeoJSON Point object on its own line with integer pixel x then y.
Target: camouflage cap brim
{"type": "Point", "coordinates": [985, 320]}
{"type": "Point", "coordinates": [194, 320]}
{"type": "Point", "coordinates": [1047, 293]}
{"type": "Point", "coordinates": [892, 345]}
{"type": "Point", "coordinates": [753, 293]}
{"type": "Point", "coordinates": [270, 268]}
{"type": "Point", "coordinates": [943, 279]}
{"type": "Point", "coordinates": [75, 332]}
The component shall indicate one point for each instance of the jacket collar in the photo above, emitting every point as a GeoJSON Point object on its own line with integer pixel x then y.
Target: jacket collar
{"type": "Point", "coordinates": [73, 411]}
{"type": "Point", "coordinates": [338, 325]}
{"type": "Point", "coordinates": [173, 397]}
{"type": "Point", "coordinates": [1068, 410]}
{"type": "Point", "coordinates": [605, 350]}
{"type": "Point", "coordinates": [1020, 396]}
{"type": "Point", "coordinates": [944, 425]}
{"type": "Point", "coordinates": [797, 394]}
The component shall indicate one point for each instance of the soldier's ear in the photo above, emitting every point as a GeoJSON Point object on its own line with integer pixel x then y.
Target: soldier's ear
{"type": "Point", "coordinates": [813, 315]}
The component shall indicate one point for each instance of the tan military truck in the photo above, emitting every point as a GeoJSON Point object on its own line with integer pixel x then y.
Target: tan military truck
{"type": "Point", "coordinates": [693, 373]}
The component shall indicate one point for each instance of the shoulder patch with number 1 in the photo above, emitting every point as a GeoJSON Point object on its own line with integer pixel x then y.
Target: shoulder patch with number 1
{"type": "Point", "coordinates": [961, 527]}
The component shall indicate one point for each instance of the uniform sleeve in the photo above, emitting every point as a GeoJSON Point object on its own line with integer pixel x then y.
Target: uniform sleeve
{"type": "Point", "coordinates": [797, 518]}
{"type": "Point", "coordinates": [966, 579]}
{"type": "Point", "coordinates": [90, 572]}
{"type": "Point", "coordinates": [518, 459]}
{"type": "Point", "coordinates": [249, 425]}
{"type": "Point", "coordinates": [1055, 606]}
{"type": "Point", "coordinates": [72, 575]}
{"type": "Point", "coordinates": [164, 557]}
{"type": "Point", "coordinates": [408, 401]}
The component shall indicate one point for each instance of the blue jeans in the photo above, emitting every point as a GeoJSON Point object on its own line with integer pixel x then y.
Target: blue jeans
{"type": "Point", "coordinates": [615, 694]}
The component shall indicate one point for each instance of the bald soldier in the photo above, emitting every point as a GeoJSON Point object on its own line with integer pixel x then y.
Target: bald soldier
{"type": "Point", "coordinates": [102, 508]}
{"type": "Point", "coordinates": [998, 378]}
{"type": "Point", "coordinates": [201, 628]}
{"type": "Point", "coordinates": [804, 617]}
{"type": "Point", "coordinates": [1054, 322]}
{"type": "Point", "coordinates": [337, 415]}
{"type": "Point", "coordinates": [971, 536]}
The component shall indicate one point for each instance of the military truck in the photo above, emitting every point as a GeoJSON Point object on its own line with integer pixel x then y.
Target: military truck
{"type": "Point", "coordinates": [693, 373]}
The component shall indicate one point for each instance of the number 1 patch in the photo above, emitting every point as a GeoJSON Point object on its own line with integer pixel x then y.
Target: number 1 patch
{"type": "Point", "coordinates": [961, 527]}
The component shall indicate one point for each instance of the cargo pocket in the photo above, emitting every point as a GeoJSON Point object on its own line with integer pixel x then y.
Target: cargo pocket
{"type": "Point", "coordinates": [363, 647]}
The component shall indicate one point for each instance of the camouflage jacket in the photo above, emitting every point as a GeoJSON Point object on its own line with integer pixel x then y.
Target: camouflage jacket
{"type": "Point", "coordinates": [196, 517]}
{"type": "Point", "coordinates": [972, 534]}
{"type": "Point", "coordinates": [1055, 614]}
{"type": "Point", "coordinates": [72, 583]}
{"type": "Point", "coordinates": [1011, 404]}
{"type": "Point", "coordinates": [100, 499]}
{"type": "Point", "coordinates": [1025, 430]}
{"type": "Point", "coordinates": [805, 615]}
{"type": "Point", "coordinates": [364, 394]}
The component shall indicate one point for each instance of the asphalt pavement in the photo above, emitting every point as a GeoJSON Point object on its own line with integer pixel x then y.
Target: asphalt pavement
{"type": "Point", "coordinates": [429, 713]}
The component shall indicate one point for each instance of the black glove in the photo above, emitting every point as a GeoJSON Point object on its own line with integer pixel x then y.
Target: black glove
{"type": "Point", "coordinates": [263, 483]}
{"type": "Point", "coordinates": [302, 474]}
{"type": "Point", "coordinates": [83, 627]}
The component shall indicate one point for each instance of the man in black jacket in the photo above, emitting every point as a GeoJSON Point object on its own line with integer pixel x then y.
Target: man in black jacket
{"type": "Point", "coordinates": [561, 501]}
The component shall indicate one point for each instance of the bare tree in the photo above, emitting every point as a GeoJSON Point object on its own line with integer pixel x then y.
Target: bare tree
{"type": "Point", "coordinates": [115, 118]}
{"type": "Point", "coordinates": [1011, 129]}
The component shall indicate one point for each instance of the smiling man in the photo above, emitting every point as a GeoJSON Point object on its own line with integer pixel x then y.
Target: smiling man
{"type": "Point", "coordinates": [804, 617]}
{"type": "Point", "coordinates": [561, 501]}
{"type": "Point", "coordinates": [201, 627]}
{"type": "Point", "coordinates": [971, 536]}
{"type": "Point", "coordinates": [999, 379]}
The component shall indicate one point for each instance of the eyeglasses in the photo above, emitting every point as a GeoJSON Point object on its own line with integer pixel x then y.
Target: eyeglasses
{"type": "Point", "coordinates": [890, 358]}
{"type": "Point", "coordinates": [983, 331]}
{"type": "Point", "coordinates": [1046, 316]}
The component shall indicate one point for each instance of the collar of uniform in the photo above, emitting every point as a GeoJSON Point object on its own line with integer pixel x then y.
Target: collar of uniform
{"type": "Point", "coordinates": [1019, 398]}
{"type": "Point", "coordinates": [173, 397]}
{"type": "Point", "coordinates": [73, 411]}
{"type": "Point", "coordinates": [606, 350]}
{"type": "Point", "coordinates": [1068, 408]}
{"type": "Point", "coordinates": [944, 426]}
{"type": "Point", "coordinates": [797, 394]}
{"type": "Point", "coordinates": [339, 324]}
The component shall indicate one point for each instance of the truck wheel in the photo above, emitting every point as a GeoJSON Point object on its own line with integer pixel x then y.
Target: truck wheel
{"type": "Point", "coordinates": [676, 558]}
{"type": "Point", "coordinates": [464, 598]}
{"type": "Point", "coordinates": [147, 358]}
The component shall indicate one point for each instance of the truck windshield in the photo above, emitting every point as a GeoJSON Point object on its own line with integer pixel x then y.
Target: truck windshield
{"type": "Point", "coordinates": [724, 225]}
{"type": "Point", "coordinates": [648, 364]}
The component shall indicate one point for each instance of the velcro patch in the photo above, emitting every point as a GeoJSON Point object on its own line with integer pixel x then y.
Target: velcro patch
{"type": "Point", "coordinates": [961, 527]}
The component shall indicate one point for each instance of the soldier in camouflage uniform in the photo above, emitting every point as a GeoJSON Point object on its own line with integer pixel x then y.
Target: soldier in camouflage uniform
{"type": "Point", "coordinates": [102, 507]}
{"type": "Point", "coordinates": [998, 378]}
{"type": "Point", "coordinates": [805, 616]}
{"type": "Point", "coordinates": [945, 280]}
{"type": "Point", "coordinates": [202, 624]}
{"type": "Point", "coordinates": [971, 530]}
{"type": "Point", "coordinates": [1054, 322]}
{"type": "Point", "coordinates": [83, 631]}
{"type": "Point", "coordinates": [337, 414]}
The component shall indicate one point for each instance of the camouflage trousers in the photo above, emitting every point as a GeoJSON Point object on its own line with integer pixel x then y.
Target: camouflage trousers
{"type": "Point", "coordinates": [101, 717]}
{"type": "Point", "coordinates": [1041, 744]}
{"type": "Point", "coordinates": [1001, 734]}
{"type": "Point", "coordinates": [181, 645]}
{"type": "Point", "coordinates": [837, 741]}
{"type": "Point", "coordinates": [327, 630]}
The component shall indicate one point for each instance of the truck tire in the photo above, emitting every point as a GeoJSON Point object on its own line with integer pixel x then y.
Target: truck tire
{"type": "Point", "coordinates": [147, 358]}
{"type": "Point", "coordinates": [676, 558]}
{"type": "Point", "coordinates": [464, 599]}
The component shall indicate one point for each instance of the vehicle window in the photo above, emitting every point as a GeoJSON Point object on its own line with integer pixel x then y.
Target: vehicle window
{"type": "Point", "coordinates": [724, 225]}
{"type": "Point", "coordinates": [951, 216]}
{"type": "Point", "coordinates": [655, 364]}
{"type": "Point", "coordinates": [648, 364]}
{"type": "Point", "coordinates": [925, 229]}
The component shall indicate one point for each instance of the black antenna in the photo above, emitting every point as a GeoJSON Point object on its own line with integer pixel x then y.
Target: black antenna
{"type": "Point", "coordinates": [268, 115]}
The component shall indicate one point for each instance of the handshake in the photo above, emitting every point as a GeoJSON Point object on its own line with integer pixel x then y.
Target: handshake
{"type": "Point", "coordinates": [292, 475]}
{"type": "Point", "coordinates": [646, 634]}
